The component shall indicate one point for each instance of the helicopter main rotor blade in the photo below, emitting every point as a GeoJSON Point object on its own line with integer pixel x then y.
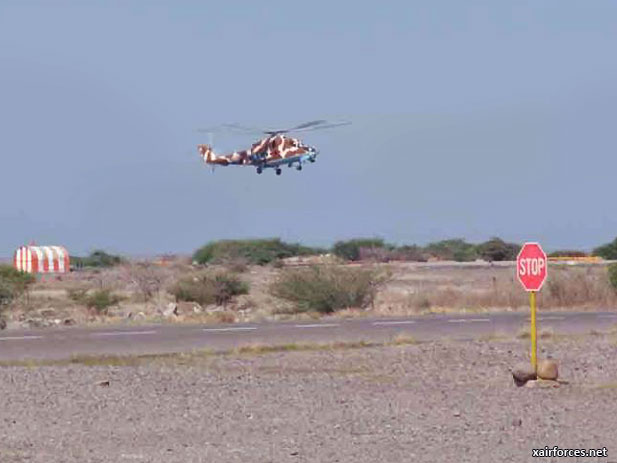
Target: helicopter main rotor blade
{"type": "Point", "coordinates": [242, 128]}
{"type": "Point", "coordinates": [309, 127]}
{"type": "Point", "coordinates": [305, 127]}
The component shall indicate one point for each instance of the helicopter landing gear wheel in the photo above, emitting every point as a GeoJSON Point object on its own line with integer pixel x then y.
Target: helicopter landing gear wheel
{"type": "Point", "coordinates": [259, 170]}
{"type": "Point", "coordinates": [278, 171]}
{"type": "Point", "coordinates": [299, 167]}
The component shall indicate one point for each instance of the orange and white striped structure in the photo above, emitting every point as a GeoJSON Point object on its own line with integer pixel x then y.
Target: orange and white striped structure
{"type": "Point", "coordinates": [42, 259]}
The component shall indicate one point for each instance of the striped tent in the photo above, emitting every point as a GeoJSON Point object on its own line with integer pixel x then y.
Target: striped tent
{"type": "Point", "coordinates": [42, 259]}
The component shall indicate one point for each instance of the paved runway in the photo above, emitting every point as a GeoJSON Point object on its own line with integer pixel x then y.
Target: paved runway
{"type": "Point", "coordinates": [60, 343]}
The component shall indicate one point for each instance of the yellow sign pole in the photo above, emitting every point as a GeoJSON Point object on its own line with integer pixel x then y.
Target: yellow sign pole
{"type": "Point", "coordinates": [534, 344]}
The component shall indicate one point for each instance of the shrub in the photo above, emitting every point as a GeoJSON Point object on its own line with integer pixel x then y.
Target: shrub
{"type": "Point", "coordinates": [13, 284]}
{"type": "Point", "coordinates": [453, 249]}
{"type": "Point", "coordinates": [612, 275]}
{"type": "Point", "coordinates": [101, 300]}
{"type": "Point", "coordinates": [209, 288]}
{"type": "Point", "coordinates": [6, 295]}
{"type": "Point", "coordinates": [239, 264]}
{"type": "Point", "coordinates": [376, 254]}
{"type": "Point", "coordinates": [351, 249]}
{"type": "Point", "coordinates": [607, 251]}
{"type": "Point", "coordinates": [411, 253]}
{"type": "Point", "coordinates": [97, 259]}
{"type": "Point", "coordinates": [259, 252]}
{"type": "Point", "coordinates": [567, 253]}
{"type": "Point", "coordinates": [497, 249]}
{"type": "Point", "coordinates": [148, 279]}
{"type": "Point", "coordinates": [326, 289]}
{"type": "Point", "coordinates": [78, 295]}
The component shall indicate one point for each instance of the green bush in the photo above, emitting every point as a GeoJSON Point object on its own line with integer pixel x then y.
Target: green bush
{"type": "Point", "coordinates": [97, 259]}
{"type": "Point", "coordinates": [351, 249]}
{"type": "Point", "coordinates": [612, 275]}
{"type": "Point", "coordinates": [326, 289]}
{"type": "Point", "coordinates": [607, 251]}
{"type": "Point", "coordinates": [101, 300]}
{"type": "Point", "coordinates": [454, 249]}
{"type": "Point", "coordinates": [13, 284]}
{"type": "Point", "coordinates": [497, 249]}
{"type": "Point", "coordinates": [209, 288]}
{"type": "Point", "coordinates": [259, 252]}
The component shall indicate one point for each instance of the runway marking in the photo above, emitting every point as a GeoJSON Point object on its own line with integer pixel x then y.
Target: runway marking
{"type": "Point", "coordinates": [548, 318]}
{"type": "Point", "coordinates": [238, 328]}
{"type": "Point", "coordinates": [20, 338]}
{"type": "Point", "coordinates": [607, 316]}
{"type": "Point", "coordinates": [469, 320]}
{"type": "Point", "coordinates": [402, 322]}
{"type": "Point", "coordinates": [123, 333]}
{"type": "Point", "coordinates": [318, 325]}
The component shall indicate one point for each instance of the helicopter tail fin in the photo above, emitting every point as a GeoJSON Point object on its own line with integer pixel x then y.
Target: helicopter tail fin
{"type": "Point", "coordinates": [206, 153]}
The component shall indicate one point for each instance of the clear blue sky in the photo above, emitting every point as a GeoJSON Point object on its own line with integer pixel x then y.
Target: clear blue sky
{"type": "Point", "coordinates": [470, 119]}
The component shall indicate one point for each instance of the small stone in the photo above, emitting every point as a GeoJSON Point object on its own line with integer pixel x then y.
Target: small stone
{"type": "Point", "coordinates": [523, 373]}
{"type": "Point", "coordinates": [547, 369]}
{"type": "Point", "coordinates": [517, 422]}
{"type": "Point", "coordinates": [2, 324]}
{"type": "Point", "coordinates": [171, 310]}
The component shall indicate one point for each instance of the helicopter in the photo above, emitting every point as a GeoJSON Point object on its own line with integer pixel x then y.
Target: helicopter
{"type": "Point", "coordinates": [271, 152]}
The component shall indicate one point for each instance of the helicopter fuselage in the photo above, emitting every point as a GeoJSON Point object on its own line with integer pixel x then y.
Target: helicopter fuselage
{"type": "Point", "coordinates": [270, 152]}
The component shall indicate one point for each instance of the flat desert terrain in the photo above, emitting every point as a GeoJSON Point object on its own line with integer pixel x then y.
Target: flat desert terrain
{"type": "Point", "coordinates": [424, 402]}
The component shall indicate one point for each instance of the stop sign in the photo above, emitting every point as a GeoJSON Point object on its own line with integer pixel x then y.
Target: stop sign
{"type": "Point", "coordinates": [531, 266]}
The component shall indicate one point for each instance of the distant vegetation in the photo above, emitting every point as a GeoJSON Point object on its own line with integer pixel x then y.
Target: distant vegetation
{"type": "Point", "coordinates": [497, 249]}
{"type": "Point", "coordinates": [567, 253]}
{"type": "Point", "coordinates": [352, 249]}
{"type": "Point", "coordinates": [257, 252]}
{"type": "Point", "coordinates": [456, 249]}
{"type": "Point", "coordinates": [239, 253]}
{"type": "Point", "coordinates": [97, 259]}
{"type": "Point", "coordinates": [607, 251]}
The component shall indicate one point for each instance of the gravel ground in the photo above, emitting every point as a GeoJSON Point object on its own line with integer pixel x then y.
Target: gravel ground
{"type": "Point", "coordinates": [429, 402]}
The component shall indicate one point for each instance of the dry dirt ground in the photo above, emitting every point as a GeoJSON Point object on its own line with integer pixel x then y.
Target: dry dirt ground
{"type": "Point", "coordinates": [412, 289]}
{"type": "Point", "coordinates": [427, 402]}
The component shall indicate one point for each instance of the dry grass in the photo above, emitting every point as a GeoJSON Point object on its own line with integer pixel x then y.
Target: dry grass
{"type": "Point", "coordinates": [475, 289]}
{"type": "Point", "coordinates": [412, 289]}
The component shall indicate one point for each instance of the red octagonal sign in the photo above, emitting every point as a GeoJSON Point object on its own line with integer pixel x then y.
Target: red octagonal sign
{"type": "Point", "coordinates": [531, 266]}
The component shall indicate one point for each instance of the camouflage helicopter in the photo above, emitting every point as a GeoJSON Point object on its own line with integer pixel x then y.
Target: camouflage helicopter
{"type": "Point", "coordinates": [273, 151]}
